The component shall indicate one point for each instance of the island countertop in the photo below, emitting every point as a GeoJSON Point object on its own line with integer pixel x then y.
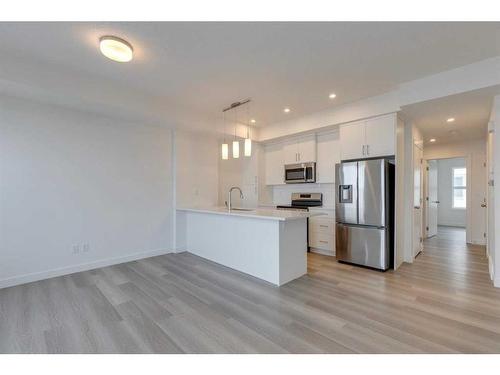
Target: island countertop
{"type": "Point", "coordinates": [257, 213]}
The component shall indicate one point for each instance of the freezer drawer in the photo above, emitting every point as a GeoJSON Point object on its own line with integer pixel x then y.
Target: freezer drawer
{"type": "Point", "coordinates": [364, 246]}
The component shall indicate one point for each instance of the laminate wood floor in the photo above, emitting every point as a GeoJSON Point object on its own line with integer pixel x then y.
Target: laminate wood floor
{"type": "Point", "coordinates": [179, 303]}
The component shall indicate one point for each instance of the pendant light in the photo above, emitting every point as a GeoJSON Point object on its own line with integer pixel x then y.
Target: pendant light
{"type": "Point", "coordinates": [225, 146]}
{"type": "Point", "coordinates": [248, 141]}
{"type": "Point", "coordinates": [236, 143]}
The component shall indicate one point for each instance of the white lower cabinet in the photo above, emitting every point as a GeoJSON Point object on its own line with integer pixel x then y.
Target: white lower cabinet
{"type": "Point", "coordinates": [322, 234]}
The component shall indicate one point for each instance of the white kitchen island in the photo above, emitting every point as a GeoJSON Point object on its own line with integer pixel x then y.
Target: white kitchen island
{"type": "Point", "coordinates": [266, 243]}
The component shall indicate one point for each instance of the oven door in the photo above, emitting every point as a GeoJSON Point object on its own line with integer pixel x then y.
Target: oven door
{"type": "Point", "coordinates": [295, 173]}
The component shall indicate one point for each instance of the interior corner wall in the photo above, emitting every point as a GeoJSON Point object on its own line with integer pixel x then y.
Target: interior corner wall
{"type": "Point", "coordinates": [196, 176]}
{"type": "Point", "coordinates": [79, 191]}
{"type": "Point", "coordinates": [496, 187]}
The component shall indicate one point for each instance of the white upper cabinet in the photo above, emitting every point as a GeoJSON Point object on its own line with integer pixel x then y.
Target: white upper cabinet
{"type": "Point", "coordinates": [352, 140]}
{"type": "Point", "coordinates": [380, 136]}
{"type": "Point", "coordinates": [300, 150]}
{"type": "Point", "coordinates": [328, 148]}
{"type": "Point", "coordinates": [290, 152]}
{"type": "Point", "coordinates": [307, 149]}
{"type": "Point", "coordinates": [370, 138]}
{"type": "Point", "coordinates": [274, 165]}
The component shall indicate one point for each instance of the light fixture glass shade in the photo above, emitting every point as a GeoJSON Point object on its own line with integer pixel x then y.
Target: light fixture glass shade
{"type": "Point", "coordinates": [225, 151]}
{"type": "Point", "coordinates": [116, 49]}
{"type": "Point", "coordinates": [236, 149]}
{"type": "Point", "coordinates": [248, 147]}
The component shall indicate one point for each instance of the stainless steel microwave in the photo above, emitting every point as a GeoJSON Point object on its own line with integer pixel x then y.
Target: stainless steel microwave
{"type": "Point", "coordinates": [300, 173]}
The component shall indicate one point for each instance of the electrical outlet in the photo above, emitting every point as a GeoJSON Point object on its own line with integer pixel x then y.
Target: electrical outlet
{"type": "Point", "coordinates": [76, 249]}
{"type": "Point", "coordinates": [86, 247]}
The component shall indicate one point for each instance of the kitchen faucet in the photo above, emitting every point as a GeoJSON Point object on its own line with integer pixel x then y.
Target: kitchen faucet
{"type": "Point", "coordinates": [229, 196]}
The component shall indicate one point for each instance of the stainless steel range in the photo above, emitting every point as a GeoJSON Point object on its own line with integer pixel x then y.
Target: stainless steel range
{"type": "Point", "coordinates": [302, 202]}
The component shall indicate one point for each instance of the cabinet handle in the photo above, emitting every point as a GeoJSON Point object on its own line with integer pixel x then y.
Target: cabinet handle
{"type": "Point", "coordinates": [324, 226]}
{"type": "Point", "coordinates": [363, 150]}
{"type": "Point", "coordinates": [368, 150]}
{"type": "Point", "coordinates": [323, 241]}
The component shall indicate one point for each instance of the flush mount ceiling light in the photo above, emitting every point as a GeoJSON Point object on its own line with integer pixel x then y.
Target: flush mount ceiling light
{"type": "Point", "coordinates": [286, 110]}
{"type": "Point", "coordinates": [332, 96]}
{"type": "Point", "coordinates": [116, 49]}
{"type": "Point", "coordinates": [253, 121]}
{"type": "Point", "coordinates": [451, 119]}
{"type": "Point", "coordinates": [432, 140]}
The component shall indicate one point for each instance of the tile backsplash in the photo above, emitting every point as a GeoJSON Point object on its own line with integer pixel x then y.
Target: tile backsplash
{"type": "Point", "coordinates": [282, 193]}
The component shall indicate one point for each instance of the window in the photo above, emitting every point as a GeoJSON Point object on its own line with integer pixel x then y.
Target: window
{"type": "Point", "coordinates": [459, 187]}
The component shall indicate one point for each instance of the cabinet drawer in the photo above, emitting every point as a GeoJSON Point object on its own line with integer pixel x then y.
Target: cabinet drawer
{"type": "Point", "coordinates": [322, 241]}
{"type": "Point", "coordinates": [322, 224]}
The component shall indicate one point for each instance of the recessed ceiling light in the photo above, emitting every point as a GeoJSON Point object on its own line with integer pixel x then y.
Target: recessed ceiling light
{"type": "Point", "coordinates": [116, 49]}
{"type": "Point", "coordinates": [432, 140]}
{"type": "Point", "coordinates": [451, 119]}
{"type": "Point", "coordinates": [286, 110]}
{"type": "Point", "coordinates": [332, 96]}
{"type": "Point", "coordinates": [253, 121]}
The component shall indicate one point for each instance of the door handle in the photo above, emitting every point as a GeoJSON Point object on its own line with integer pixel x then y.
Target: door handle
{"type": "Point", "coordinates": [483, 205]}
{"type": "Point", "coordinates": [416, 207]}
{"type": "Point", "coordinates": [435, 202]}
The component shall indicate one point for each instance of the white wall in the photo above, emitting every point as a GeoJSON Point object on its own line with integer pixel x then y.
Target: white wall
{"type": "Point", "coordinates": [69, 177]}
{"type": "Point", "coordinates": [447, 215]}
{"type": "Point", "coordinates": [495, 191]}
{"type": "Point", "coordinates": [475, 153]}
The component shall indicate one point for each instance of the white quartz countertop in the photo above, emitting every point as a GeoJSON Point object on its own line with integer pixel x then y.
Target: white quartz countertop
{"type": "Point", "coordinates": [260, 213]}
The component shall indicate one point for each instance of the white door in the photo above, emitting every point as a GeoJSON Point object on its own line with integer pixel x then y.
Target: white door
{"type": "Point", "coordinates": [307, 149]}
{"type": "Point", "coordinates": [432, 198]}
{"type": "Point", "coordinates": [352, 140]}
{"type": "Point", "coordinates": [417, 200]}
{"type": "Point", "coordinates": [291, 152]}
{"type": "Point", "coordinates": [479, 197]}
{"type": "Point", "coordinates": [380, 136]}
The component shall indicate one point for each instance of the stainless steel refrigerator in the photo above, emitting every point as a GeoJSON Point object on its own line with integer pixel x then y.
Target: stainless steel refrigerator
{"type": "Point", "coordinates": [364, 209]}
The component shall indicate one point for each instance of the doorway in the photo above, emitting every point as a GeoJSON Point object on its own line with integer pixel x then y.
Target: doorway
{"type": "Point", "coordinates": [447, 197]}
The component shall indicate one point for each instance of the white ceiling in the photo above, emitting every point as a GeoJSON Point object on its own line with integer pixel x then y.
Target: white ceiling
{"type": "Point", "coordinates": [203, 67]}
{"type": "Point", "coordinates": [470, 110]}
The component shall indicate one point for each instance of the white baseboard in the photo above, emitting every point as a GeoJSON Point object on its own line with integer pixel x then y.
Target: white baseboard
{"type": "Point", "coordinates": [490, 267]}
{"type": "Point", "coordinates": [180, 249]}
{"type": "Point", "coordinates": [36, 276]}
{"type": "Point", "coordinates": [322, 252]}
